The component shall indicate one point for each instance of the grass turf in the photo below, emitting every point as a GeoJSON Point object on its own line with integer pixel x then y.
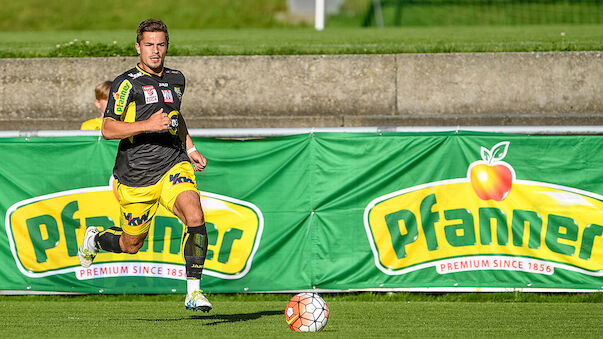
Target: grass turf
{"type": "Point", "coordinates": [41, 15]}
{"type": "Point", "coordinates": [356, 315]}
{"type": "Point", "coordinates": [307, 41]}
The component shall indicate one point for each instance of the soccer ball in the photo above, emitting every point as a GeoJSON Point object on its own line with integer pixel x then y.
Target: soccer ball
{"type": "Point", "coordinates": [306, 312]}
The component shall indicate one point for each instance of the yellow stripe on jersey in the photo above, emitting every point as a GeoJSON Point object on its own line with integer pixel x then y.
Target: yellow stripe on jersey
{"type": "Point", "coordinates": [130, 116]}
{"type": "Point", "coordinates": [142, 71]}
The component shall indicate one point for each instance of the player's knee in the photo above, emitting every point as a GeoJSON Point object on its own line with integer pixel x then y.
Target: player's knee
{"type": "Point", "coordinates": [197, 220]}
{"type": "Point", "coordinates": [194, 218]}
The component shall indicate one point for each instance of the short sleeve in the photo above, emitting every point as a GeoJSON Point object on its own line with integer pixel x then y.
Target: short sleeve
{"type": "Point", "coordinates": [119, 98]}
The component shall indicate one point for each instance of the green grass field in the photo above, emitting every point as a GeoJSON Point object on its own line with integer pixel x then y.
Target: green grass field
{"type": "Point", "coordinates": [471, 12]}
{"type": "Point", "coordinates": [42, 15]}
{"type": "Point", "coordinates": [352, 315]}
{"type": "Point", "coordinates": [86, 28]}
{"type": "Point", "coordinates": [307, 41]}
{"type": "Point", "coordinates": [65, 15]}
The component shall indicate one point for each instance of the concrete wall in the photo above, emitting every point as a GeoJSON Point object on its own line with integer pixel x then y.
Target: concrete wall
{"type": "Point", "coordinates": [327, 91]}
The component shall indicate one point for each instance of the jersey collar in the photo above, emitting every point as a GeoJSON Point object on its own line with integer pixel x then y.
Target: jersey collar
{"type": "Point", "coordinates": [149, 74]}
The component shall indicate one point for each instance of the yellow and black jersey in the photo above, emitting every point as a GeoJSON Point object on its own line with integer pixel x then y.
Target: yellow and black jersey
{"type": "Point", "coordinates": [136, 95]}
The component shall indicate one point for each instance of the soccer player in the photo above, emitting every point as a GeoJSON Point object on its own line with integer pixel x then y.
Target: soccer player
{"type": "Point", "coordinates": [156, 160]}
{"type": "Point", "coordinates": [101, 92]}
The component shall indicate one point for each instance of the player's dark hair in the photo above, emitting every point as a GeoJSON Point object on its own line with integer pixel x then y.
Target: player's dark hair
{"type": "Point", "coordinates": [152, 25]}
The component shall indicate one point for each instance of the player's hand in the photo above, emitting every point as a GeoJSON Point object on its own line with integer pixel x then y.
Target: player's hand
{"type": "Point", "coordinates": [199, 162]}
{"type": "Point", "coordinates": [159, 121]}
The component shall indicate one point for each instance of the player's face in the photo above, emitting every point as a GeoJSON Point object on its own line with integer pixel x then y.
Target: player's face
{"type": "Point", "coordinates": [152, 49]}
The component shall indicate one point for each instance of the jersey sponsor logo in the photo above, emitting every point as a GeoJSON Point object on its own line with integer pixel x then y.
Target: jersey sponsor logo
{"type": "Point", "coordinates": [135, 75]}
{"type": "Point", "coordinates": [174, 125]}
{"type": "Point", "coordinates": [167, 95]}
{"type": "Point", "coordinates": [45, 232]}
{"type": "Point", "coordinates": [163, 84]}
{"type": "Point", "coordinates": [177, 179]}
{"type": "Point", "coordinates": [137, 221]}
{"type": "Point", "coordinates": [178, 92]}
{"type": "Point", "coordinates": [150, 94]}
{"type": "Point", "coordinates": [121, 96]}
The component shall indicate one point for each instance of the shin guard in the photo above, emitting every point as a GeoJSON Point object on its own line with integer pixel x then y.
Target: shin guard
{"type": "Point", "coordinates": [195, 250]}
{"type": "Point", "coordinates": [108, 239]}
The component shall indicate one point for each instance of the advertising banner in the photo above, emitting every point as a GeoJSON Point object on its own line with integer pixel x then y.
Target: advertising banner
{"type": "Point", "coordinates": [442, 211]}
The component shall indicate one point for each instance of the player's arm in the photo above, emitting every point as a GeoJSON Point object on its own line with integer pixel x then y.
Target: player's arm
{"type": "Point", "coordinates": [114, 126]}
{"type": "Point", "coordinates": [197, 159]}
{"type": "Point", "coordinates": [116, 129]}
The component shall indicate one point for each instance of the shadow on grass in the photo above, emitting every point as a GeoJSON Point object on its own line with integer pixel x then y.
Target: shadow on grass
{"type": "Point", "coordinates": [218, 318]}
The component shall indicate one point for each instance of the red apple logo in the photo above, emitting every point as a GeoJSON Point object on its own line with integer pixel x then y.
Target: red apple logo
{"type": "Point", "coordinates": [491, 177]}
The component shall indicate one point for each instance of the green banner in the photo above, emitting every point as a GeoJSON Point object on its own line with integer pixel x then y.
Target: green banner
{"type": "Point", "coordinates": [334, 211]}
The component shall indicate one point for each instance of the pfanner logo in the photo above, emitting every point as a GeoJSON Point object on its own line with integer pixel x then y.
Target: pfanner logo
{"type": "Point", "coordinates": [44, 233]}
{"type": "Point", "coordinates": [121, 96]}
{"type": "Point", "coordinates": [488, 220]}
{"type": "Point", "coordinates": [492, 178]}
